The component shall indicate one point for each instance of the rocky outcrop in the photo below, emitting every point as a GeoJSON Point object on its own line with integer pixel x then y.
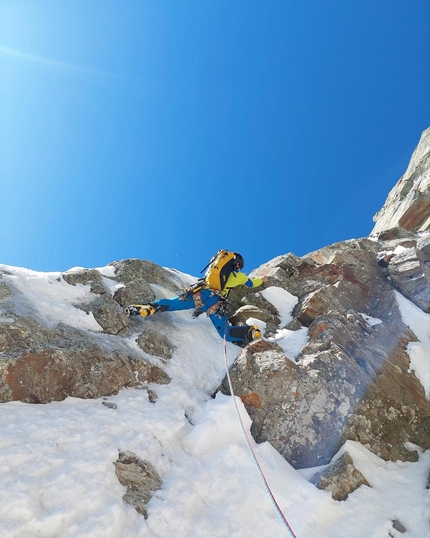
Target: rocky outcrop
{"type": "Point", "coordinates": [340, 478]}
{"type": "Point", "coordinates": [408, 204]}
{"type": "Point", "coordinates": [90, 277]}
{"type": "Point", "coordinates": [352, 380]}
{"type": "Point", "coordinates": [143, 272]}
{"type": "Point", "coordinates": [409, 271]}
{"type": "Point", "coordinates": [139, 477]}
{"type": "Point", "coordinates": [4, 290]}
{"type": "Point", "coordinates": [40, 363]}
{"type": "Point", "coordinates": [103, 307]}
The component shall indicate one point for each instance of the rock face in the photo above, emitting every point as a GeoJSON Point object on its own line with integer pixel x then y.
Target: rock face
{"type": "Point", "coordinates": [43, 361]}
{"type": "Point", "coordinates": [409, 271]}
{"type": "Point", "coordinates": [352, 380]}
{"type": "Point", "coordinates": [408, 204]}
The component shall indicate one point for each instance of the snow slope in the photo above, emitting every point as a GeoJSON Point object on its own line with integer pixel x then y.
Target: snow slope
{"type": "Point", "coordinates": [56, 460]}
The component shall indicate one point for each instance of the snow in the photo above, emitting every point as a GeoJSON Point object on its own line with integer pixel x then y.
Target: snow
{"type": "Point", "coordinates": [56, 467]}
{"type": "Point", "coordinates": [282, 300]}
{"type": "Point", "coordinates": [400, 250]}
{"type": "Point", "coordinates": [50, 298]}
{"type": "Point", "coordinates": [107, 271]}
{"type": "Point", "coordinates": [291, 342]}
{"type": "Point", "coordinates": [419, 352]}
{"type": "Point", "coordinates": [371, 322]}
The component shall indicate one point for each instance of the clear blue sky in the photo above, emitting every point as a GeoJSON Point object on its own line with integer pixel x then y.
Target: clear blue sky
{"type": "Point", "coordinates": [165, 130]}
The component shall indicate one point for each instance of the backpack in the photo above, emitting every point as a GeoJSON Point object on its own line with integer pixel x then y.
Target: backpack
{"type": "Point", "coordinates": [219, 269]}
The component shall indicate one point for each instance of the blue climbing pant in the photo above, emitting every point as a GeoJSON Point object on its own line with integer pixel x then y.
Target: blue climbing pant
{"type": "Point", "coordinates": [207, 300]}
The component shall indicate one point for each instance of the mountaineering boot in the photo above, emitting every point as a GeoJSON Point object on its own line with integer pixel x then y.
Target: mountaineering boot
{"type": "Point", "coordinates": [256, 333]}
{"type": "Point", "coordinates": [140, 310]}
{"type": "Point", "coordinates": [132, 310]}
{"type": "Point", "coordinates": [253, 333]}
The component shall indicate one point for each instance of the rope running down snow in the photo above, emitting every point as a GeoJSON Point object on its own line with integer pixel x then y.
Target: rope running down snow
{"type": "Point", "coordinates": [251, 450]}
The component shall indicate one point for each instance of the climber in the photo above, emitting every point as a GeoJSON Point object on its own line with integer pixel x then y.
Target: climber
{"type": "Point", "coordinates": [209, 295]}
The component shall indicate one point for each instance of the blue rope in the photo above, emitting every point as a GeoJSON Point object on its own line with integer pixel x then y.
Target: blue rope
{"type": "Point", "coordinates": [251, 450]}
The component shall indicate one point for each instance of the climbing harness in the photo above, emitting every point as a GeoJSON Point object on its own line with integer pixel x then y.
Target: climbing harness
{"type": "Point", "coordinates": [187, 293]}
{"type": "Point", "coordinates": [251, 450]}
{"type": "Point", "coordinates": [194, 292]}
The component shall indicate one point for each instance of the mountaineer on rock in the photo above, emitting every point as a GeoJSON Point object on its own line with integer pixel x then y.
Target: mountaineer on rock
{"type": "Point", "coordinates": [209, 295]}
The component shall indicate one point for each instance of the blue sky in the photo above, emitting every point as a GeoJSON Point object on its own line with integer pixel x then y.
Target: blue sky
{"type": "Point", "coordinates": [165, 130]}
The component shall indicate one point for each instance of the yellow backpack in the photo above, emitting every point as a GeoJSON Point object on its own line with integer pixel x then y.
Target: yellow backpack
{"type": "Point", "coordinates": [219, 269]}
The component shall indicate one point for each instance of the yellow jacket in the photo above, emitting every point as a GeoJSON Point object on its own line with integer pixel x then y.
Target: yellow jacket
{"type": "Point", "coordinates": [240, 279]}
